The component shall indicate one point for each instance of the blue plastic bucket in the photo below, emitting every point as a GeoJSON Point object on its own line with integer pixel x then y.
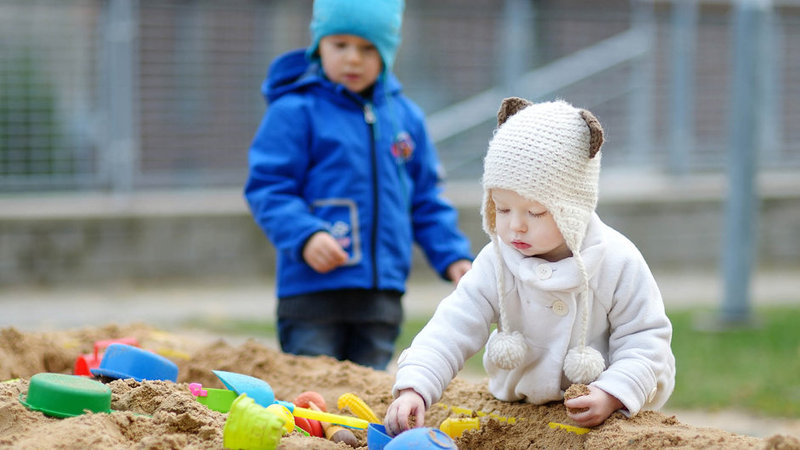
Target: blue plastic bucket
{"type": "Point", "coordinates": [127, 361]}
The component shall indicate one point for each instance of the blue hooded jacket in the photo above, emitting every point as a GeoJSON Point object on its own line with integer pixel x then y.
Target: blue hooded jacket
{"type": "Point", "coordinates": [364, 170]}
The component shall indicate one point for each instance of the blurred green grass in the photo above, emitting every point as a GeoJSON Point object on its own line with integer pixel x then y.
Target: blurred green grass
{"type": "Point", "coordinates": [755, 369]}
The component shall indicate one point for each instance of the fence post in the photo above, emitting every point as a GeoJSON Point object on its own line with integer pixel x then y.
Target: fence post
{"type": "Point", "coordinates": [640, 101]}
{"type": "Point", "coordinates": [770, 85]}
{"type": "Point", "coordinates": [518, 35]}
{"type": "Point", "coordinates": [684, 38]}
{"type": "Point", "coordinates": [120, 93]}
{"type": "Point", "coordinates": [739, 241]}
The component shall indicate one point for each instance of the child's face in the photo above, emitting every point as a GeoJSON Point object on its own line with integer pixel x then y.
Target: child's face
{"type": "Point", "coordinates": [350, 60]}
{"type": "Point", "coordinates": [528, 226]}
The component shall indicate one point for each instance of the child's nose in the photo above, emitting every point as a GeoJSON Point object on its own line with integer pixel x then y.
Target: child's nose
{"type": "Point", "coordinates": [353, 54]}
{"type": "Point", "coordinates": [518, 223]}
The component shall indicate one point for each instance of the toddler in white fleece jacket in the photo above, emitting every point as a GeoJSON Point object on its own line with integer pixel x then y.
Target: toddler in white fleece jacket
{"type": "Point", "coordinates": [573, 299]}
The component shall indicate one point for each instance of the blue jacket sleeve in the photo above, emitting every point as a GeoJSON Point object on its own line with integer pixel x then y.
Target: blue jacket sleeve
{"type": "Point", "coordinates": [434, 219]}
{"type": "Point", "coordinates": [278, 160]}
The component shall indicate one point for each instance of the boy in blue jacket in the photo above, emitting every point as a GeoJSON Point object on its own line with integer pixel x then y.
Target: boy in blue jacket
{"type": "Point", "coordinates": [343, 179]}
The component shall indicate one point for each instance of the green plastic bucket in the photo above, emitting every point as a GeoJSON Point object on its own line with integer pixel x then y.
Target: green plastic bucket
{"type": "Point", "coordinates": [60, 395]}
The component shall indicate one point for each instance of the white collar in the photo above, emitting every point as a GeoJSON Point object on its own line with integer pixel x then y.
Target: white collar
{"type": "Point", "coordinates": [560, 275]}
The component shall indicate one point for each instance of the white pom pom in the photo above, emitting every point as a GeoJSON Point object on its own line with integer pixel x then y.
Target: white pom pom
{"type": "Point", "coordinates": [583, 365]}
{"type": "Point", "coordinates": [507, 350]}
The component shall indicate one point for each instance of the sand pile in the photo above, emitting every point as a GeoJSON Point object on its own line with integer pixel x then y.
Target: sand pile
{"type": "Point", "coordinates": [164, 415]}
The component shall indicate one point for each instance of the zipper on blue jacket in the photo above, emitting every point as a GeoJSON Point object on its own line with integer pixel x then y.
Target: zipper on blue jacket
{"type": "Point", "coordinates": [369, 118]}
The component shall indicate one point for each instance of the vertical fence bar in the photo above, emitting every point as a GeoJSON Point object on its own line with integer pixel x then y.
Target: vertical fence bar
{"type": "Point", "coordinates": [120, 93]}
{"type": "Point", "coordinates": [770, 85]}
{"type": "Point", "coordinates": [684, 37]}
{"type": "Point", "coordinates": [517, 36]}
{"type": "Point", "coordinates": [640, 101]}
{"type": "Point", "coordinates": [739, 228]}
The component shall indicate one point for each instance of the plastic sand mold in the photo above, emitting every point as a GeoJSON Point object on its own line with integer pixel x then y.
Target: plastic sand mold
{"type": "Point", "coordinates": [86, 362]}
{"type": "Point", "coordinates": [60, 395]}
{"type": "Point", "coordinates": [421, 438]}
{"type": "Point", "coordinates": [250, 426]}
{"type": "Point", "coordinates": [125, 361]}
{"type": "Point", "coordinates": [377, 437]}
{"type": "Point", "coordinates": [357, 406]}
{"type": "Point", "coordinates": [455, 427]}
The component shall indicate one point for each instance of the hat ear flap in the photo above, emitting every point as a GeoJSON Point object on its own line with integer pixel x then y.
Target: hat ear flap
{"type": "Point", "coordinates": [509, 107]}
{"type": "Point", "coordinates": [596, 138]}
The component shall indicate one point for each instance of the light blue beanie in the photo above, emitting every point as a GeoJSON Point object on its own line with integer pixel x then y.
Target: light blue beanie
{"type": "Point", "coordinates": [378, 21]}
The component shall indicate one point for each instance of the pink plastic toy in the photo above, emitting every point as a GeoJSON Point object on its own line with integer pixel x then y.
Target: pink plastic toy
{"type": "Point", "coordinates": [197, 390]}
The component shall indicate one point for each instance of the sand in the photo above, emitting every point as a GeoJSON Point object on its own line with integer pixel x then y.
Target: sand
{"type": "Point", "coordinates": [165, 415]}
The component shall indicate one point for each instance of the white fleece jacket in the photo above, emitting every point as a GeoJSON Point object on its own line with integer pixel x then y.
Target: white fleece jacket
{"type": "Point", "coordinates": [628, 325]}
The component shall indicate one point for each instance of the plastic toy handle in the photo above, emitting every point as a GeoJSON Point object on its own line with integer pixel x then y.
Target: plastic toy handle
{"type": "Point", "coordinates": [357, 406]}
{"type": "Point", "coordinates": [351, 422]}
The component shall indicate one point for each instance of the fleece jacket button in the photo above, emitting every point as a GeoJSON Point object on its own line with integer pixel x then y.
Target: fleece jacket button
{"type": "Point", "coordinates": [560, 308]}
{"type": "Point", "coordinates": [543, 271]}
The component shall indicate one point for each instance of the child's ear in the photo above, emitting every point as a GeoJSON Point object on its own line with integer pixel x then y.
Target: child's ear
{"type": "Point", "coordinates": [509, 107]}
{"type": "Point", "coordinates": [595, 132]}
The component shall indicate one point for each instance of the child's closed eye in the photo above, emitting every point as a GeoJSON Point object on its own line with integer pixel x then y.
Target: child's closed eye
{"type": "Point", "coordinates": [537, 215]}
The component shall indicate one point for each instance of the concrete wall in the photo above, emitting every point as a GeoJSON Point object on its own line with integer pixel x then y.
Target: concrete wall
{"type": "Point", "coordinates": [66, 239]}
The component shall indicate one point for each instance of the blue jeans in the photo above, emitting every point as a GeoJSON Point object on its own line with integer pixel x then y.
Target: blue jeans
{"type": "Point", "coordinates": [359, 325]}
{"type": "Point", "coordinates": [366, 343]}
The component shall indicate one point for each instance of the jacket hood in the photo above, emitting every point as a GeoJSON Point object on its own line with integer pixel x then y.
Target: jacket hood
{"type": "Point", "coordinates": [293, 71]}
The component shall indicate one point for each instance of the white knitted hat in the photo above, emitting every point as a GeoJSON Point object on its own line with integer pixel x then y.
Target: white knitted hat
{"type": "Point", "coordinates": [548, 153]}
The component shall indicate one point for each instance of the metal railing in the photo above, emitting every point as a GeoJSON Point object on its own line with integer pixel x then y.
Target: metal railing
{"type": "Point", "coordinates": [121, 95]}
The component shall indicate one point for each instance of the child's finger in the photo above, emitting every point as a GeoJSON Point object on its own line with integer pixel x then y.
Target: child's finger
{"type": "Point", "coordinates": [320, 264]}
{"type": "Point", "coordinates": [419, 418]}
{"type": "Point", "coordinates": [586, 418]}
{"type": "Point", "coordinates": [334, 255]}
{"type": "Point", "coordinates": [396, 421]}
{"type": "Point", "coordinates": [578, 402]}
{"type": "Point", "coordinates": [340, 256]}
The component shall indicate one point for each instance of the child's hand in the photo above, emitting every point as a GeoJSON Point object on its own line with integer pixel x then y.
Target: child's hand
{"type": "Point", "coordinates": [457, 270]}
{"type": "Point", "coordinates": [323, 253]}
{"type": "Point", "coordinates": [600, 406]}
{"type": "Point", "coordinates": [406, 404]}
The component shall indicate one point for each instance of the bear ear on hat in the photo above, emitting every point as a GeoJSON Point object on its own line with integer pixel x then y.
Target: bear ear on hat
{"type": "Point", "coordinates": [595, 132]}
{"type": "Point", "coordinates": [509, 107]}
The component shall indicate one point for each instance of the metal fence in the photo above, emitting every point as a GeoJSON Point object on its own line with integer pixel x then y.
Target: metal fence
{"type": "Point", "coordinates": [124, 95]}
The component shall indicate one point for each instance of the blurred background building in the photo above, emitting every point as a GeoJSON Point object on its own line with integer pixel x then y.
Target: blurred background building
{"type": "Point", "coordinates": [125, 124]}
